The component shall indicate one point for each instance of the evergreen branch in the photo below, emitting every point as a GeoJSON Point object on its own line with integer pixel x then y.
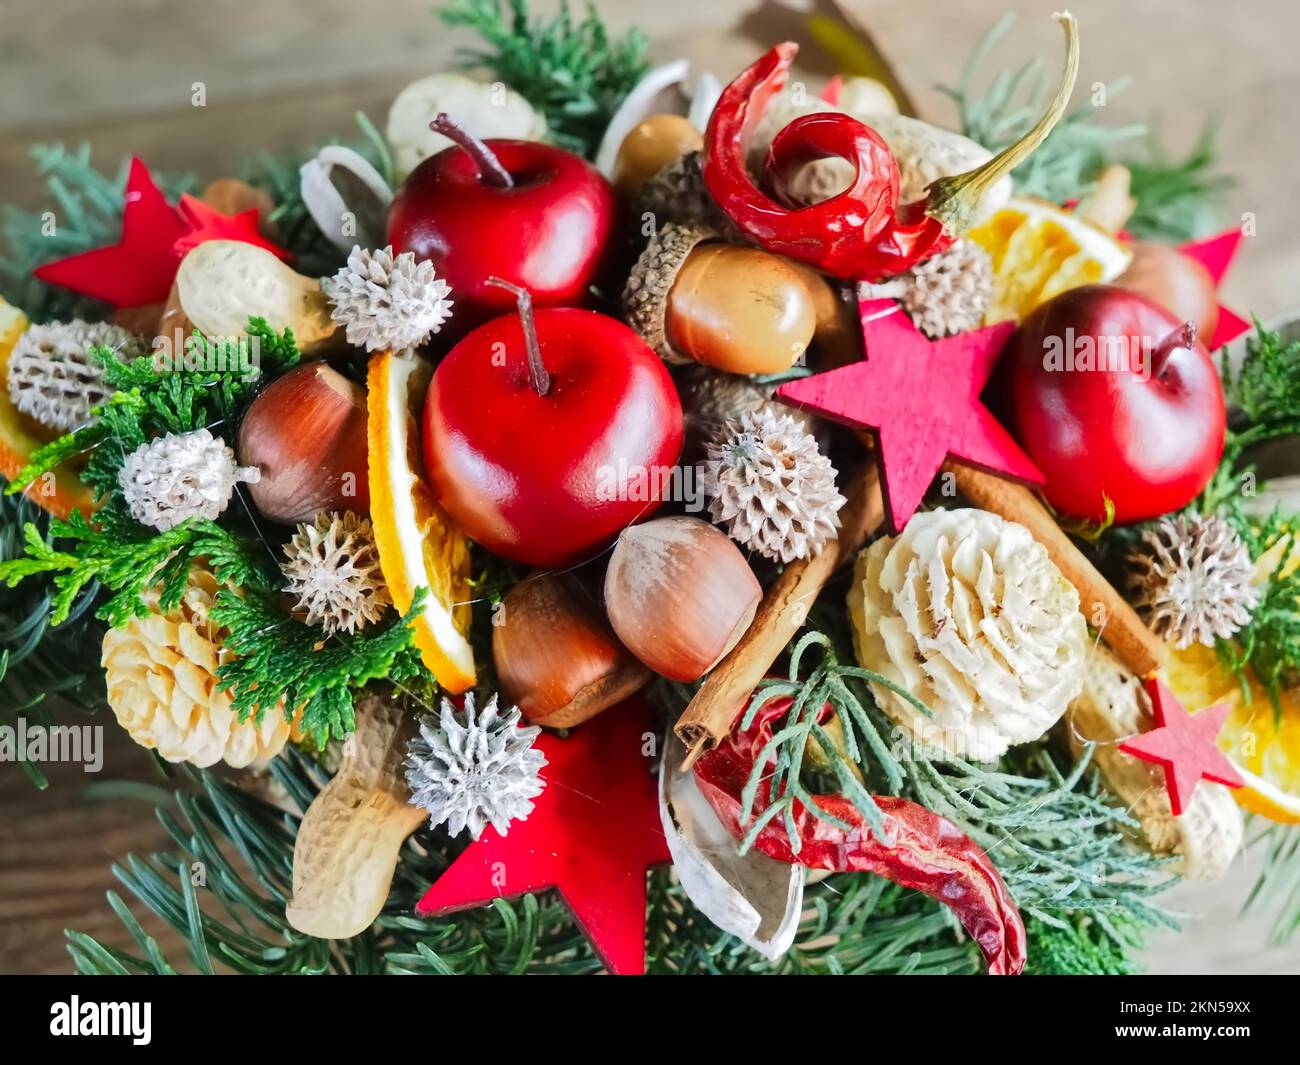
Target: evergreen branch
{"type": "Point", "coordinates": [239, 850]}
{"type": "Point", "coordinates": [1278, 886]}
{"type": "Point", "coordinates": [573, 71]}
{"type": "Point", "coordinates": [276, 657]}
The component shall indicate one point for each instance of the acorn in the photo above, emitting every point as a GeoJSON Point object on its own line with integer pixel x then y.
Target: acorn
{"type": "Point", "coordinates": [695, 298]}
{"type": "Point", "coordinates": [306, 433]}
{"type": "Point", "coordinates": [677, 194]}
{"type": "Point", "coordinates": [556, 656]}
{"type": "Point", "coordinates": [651, 145]}
{"type": "Point", "coordinates": [679, 594]}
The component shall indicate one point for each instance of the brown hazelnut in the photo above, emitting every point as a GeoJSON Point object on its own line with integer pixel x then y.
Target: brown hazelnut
{"type": "Point", "coordinates": [556, 656]}
{"type": "Point", "coordinates": [306, 433]}
{"type": "Point", "coordinates": [679, 595]}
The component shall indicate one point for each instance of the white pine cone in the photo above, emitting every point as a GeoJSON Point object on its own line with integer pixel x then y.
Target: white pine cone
{"type": "Point", "coordinates": [946, 294]}
{"type": "Point", "coordinates": [475, 769]}
{"type": "Point", "coordinates": [711, 399]}
{"type": "Point", "coordinates": [771, 488]}
{"type": "Point", "coordinates": [161, 674]}
{"type": "Point", "coordinates": [54, 379]}
{"type": "Point", "coordinates": [333, 571]}
{"type": "Point", "coordinates": [1192, 580]}
{"type": "Point", "coordinates": [967, 612]}
{"type": "Point", "coordinates": [1113, 706]}
{"type": "Point", "coordinates": [180, 476]}
{"type": "Point", "coordinates": [387, 302]}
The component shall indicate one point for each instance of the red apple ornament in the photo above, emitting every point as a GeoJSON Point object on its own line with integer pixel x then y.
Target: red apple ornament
{"type": "Point", "coordinates": [1115, 399]}
{"type": "Point", "coordinates": [548, 432]}
{"type": "Point", "coordinates": [528, 213]}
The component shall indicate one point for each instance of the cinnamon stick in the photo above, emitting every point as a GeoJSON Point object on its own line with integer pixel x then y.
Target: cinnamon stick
{"type": "Point", "coordinates": [726, 690]}
{"type": "Point", "coordinates": [1106, 610]}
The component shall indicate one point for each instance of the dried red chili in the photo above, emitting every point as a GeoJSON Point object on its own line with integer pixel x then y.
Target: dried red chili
{"type": "Point", "coordinates": [923, 850]}
{"type": "Point", "coordinates": [862, 233]}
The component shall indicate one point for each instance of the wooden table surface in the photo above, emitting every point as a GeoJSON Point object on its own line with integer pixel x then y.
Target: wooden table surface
{"type": "Point", "coordinates": [288, 74]}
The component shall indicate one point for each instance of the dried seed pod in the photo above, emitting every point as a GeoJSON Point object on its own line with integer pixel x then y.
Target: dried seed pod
{"type": "Point", "coordinates": [1113, 706]}
{"type": "Point", "coordinates": [679, 594]}
{"type": "Point", "coordinates": [347, 845]}
{"type": "Point", "coordinates": [738, 309]}
{"type": "Point", "coordinates": [557, 658]}
{"type": "Point", "coordinates": [224, 283]}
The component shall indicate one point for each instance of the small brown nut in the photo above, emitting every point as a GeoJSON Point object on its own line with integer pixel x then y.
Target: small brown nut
{"type": "Point", "coordinates": [224, 283]}
{"type": "Point", "coordinates": [348, 842]}
{"type": "Point", "coordinates": [306, 434]}
{"type": "Point", "coordinates": [679, 594]}
{"type": "Point", "coordinates": [738, 309]}
{"type": "Point", "coordinates": [651, 145]}
{"type": "Point", "coordinates": [556, 656]}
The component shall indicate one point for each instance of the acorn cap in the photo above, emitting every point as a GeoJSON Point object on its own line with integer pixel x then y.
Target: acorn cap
{"type": "Point", "coordinates": [645, 297]}
{"type": "Point", "coordinates": [678, 194]}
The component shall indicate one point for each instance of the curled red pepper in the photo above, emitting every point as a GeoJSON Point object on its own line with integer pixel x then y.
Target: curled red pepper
{"type": "Point", "coordinates": [861, 234]}
{"type": "Point", "coordinates": [924, 851]}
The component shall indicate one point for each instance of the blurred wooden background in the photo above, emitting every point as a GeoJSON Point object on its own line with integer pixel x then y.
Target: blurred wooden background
{"type": "Point", "coordinates": [121, 76]}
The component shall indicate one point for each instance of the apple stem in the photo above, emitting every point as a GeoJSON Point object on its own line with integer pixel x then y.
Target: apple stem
{"type": "Point", "coordinates": [1182, 337]}
{"type": "Point", "coordinates": [541, 379]}
{"type": "Point", "coordinates": [489, 166]}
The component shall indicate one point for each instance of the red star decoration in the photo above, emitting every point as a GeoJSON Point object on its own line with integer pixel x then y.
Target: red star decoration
{"type": "Point", "coordinates": [921, 399]}
{"type": "Point", "coordinates": [206, 223]}
{"type": "Point", "coordinates": [1216, 254]}
{"type": "Point", "coordinates": [593, 833]}
{"type": "Point", "coordinates": [141, 266]}
{"type": "Point", "coordinates": [1185, 744]}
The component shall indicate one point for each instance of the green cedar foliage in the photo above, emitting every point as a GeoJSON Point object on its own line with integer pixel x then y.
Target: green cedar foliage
{"type": "Point", "coordinates": [572, 70]}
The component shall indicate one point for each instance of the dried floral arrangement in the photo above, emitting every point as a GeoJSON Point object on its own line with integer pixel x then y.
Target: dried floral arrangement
{"type": "Point", "coordinates": [762, 516]}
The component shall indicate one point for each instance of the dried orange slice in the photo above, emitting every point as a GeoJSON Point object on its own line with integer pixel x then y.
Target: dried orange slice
{"type": "Point", "coordinates": [419, 546]}
{"type": "Point", "coordinates": [60, 492]}
{"type": "Point", "coordinates": [1040, 251]}
{"type": "Point", "coordinates": [1263, 744]}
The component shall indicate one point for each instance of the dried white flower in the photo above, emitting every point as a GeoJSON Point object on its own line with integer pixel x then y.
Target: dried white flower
{"type": "Point", "coordinates": [53, 377]}
{"type": "Point", "coordinates": [966, 612]}
{"type": "Point", "coordinates": [474, 770]}
{"type": "Point", "coordinates": [770, 487]}
{"type": "Point", "coordinates": [1192, 580]}
{"type": "Point", "coordinates": [387, 301]}
{"type": "Point", "coordinates": [181, 476]}
{"type": "Point", "coordinates": [333, 570]}
{"type": "Point", "coordinates": [946, 294]}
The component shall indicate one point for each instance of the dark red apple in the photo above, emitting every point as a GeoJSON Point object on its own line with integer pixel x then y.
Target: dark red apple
{"type": "Point", "coordinates": [1115, 399]}
{"type": "Point", "coordinates": [528, 213]}
{"type": "Point", "coordinates": [543, 455]}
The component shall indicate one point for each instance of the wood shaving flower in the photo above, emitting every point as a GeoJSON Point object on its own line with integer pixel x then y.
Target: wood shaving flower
{"type": "Point", "coordinates": [161, 673]}
{"type": "Point", "coordinates": [967, 613]}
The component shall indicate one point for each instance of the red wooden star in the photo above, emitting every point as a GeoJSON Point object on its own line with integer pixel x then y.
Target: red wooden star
{"type": "Point", "coordinates": [1216, 254]}
{"type": "Point", "coordinates": [921, 398]}
{"type": "Point", "coordinates": [1185, 744]}
{"type": "Point", "coordinates": [593, 833]}
{"type": "Point", "coordinates": [207, 223]}
{"type": "Point", "coordinates": [140, 267]}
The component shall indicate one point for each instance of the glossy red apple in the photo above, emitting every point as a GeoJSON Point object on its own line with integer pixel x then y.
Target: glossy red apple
{"type": "Point", "coordinates": [544, 452]}
{"type": "Point", "coordinates": [1114, 398]}
{"type": "Point", "coordinates": [529, 213]}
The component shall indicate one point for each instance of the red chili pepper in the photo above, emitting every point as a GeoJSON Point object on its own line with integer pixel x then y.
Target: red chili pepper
{"type": "Point", "coordinates": [862, 233]}
{"type": "Point", "coordinates": [923, 850]}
